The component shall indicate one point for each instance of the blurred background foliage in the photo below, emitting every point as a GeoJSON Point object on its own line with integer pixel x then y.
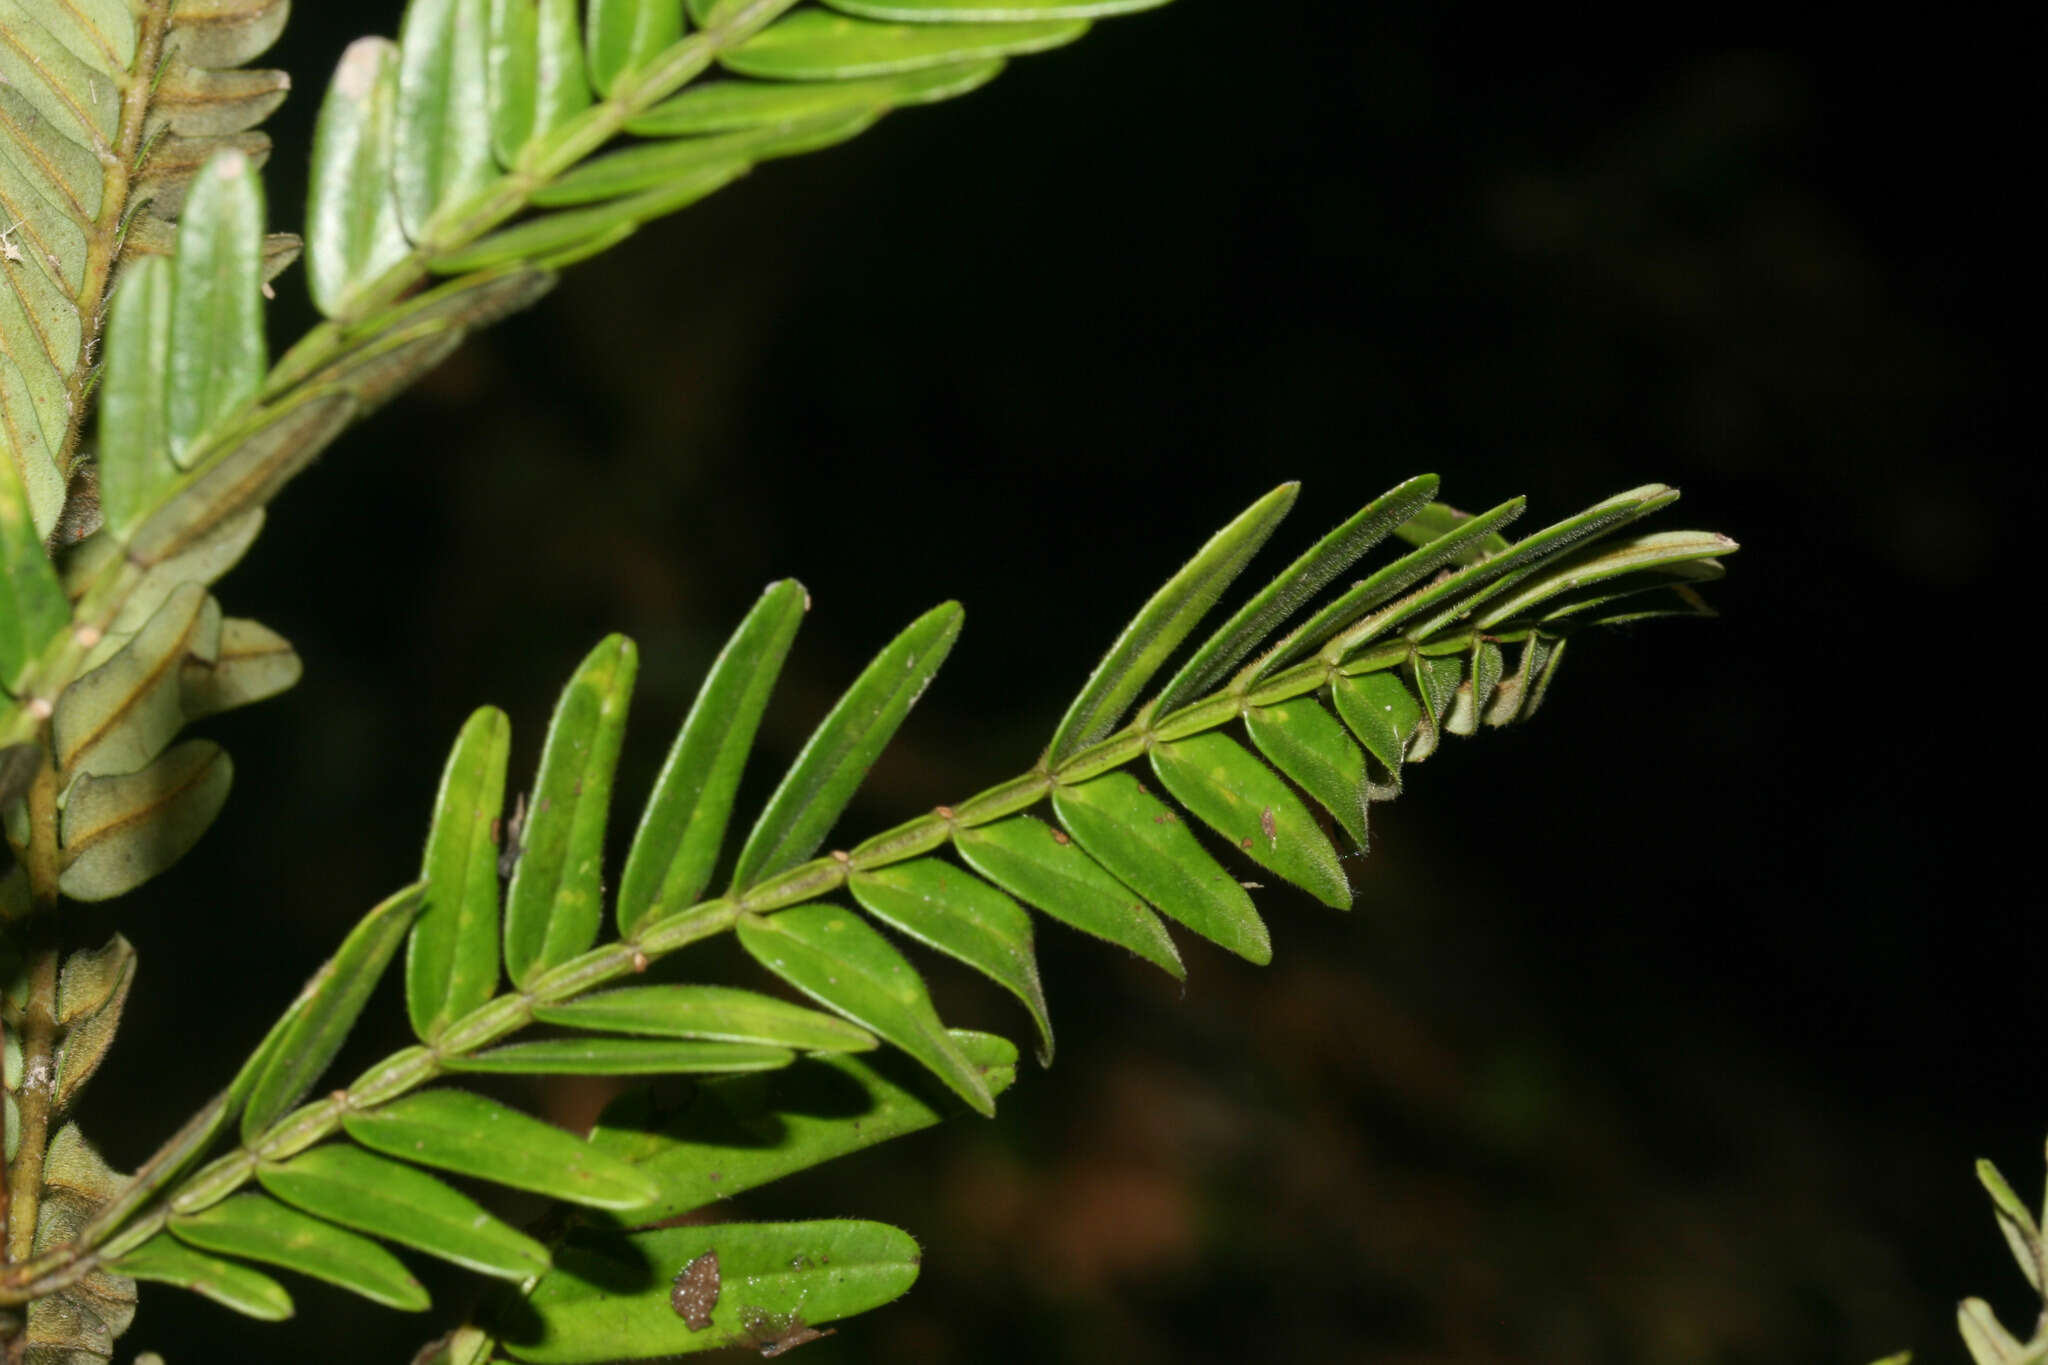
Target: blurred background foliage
{"type": "Point", "coordinates": [1665, 1028]}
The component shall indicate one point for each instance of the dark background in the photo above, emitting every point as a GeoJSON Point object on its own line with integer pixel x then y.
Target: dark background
{"type": "Point", "coordinates": [1665, 1029]}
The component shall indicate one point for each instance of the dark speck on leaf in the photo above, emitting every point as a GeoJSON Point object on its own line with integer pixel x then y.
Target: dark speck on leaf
{"type": "Point", "coordinates": [695, 1292]}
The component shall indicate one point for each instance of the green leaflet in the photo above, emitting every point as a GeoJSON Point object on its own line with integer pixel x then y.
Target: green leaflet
{"type": "Point", "coordinates": [244, 470]}
{"type": "Point", "coordinates": [1300, 581]}
{"type": "Point", "coordinates": [608, 1297]}
{"type": "Point", "coordinates": [32, 605]}
{"type": "Point", "coordinates": [217, 351]}
{"type": "Point", "coordinates": [333, 1000]}
{"type": "Point", "coordinates": [845, 745]}
{"type": "Point", "coordinates": [120, 715]}
{"type": "Point", "coordinates": [1595, 602]}
{"type": "Point", "coordinates": [683, 827]}
{"type": "Point", "coordinates": [650, 166]}
{"type": "Point", "coordinates": [118, 832]}
{"type": "Point", "coordinates": [988, 11]}
{"type": "Point", "coordinates": [251, 663]}
{"type": "Point", "coordinates": [1988, 1342]}
{"type": "Point", "coordinates": [1381, 711]}
{"type": "Point", "coordinates": [135, 436]}
{"type": "Point", "coordinates": [2015, 1221]}
{"type": "Point", "coordinates": [197, 103]}
{"type": "Point", "coordinates": [1599, 564]}
{"type": "Point", "coordinates": [454, 1130]}
{"type": "Point", "coordinates": [537, 76]}
{"type": "Point", "coordinates": [1513, 691]}
{"type": "Point", "coordinates": [352, 230]}
{"type": "Point", "coordinates": [733, 106]}
{"type": "Point", "coordinates": [168, 1261]}
{"type": "Point", "coordinates": [1460, 593]}
{"type": "Point", "coordinates": [1382, 585]}
{"type": "Point", "coordinates": [1310, 746]}
{"type": "Point", "coordinates": [1040, 865]}
{"type": "Point", "coordinates": [965, 918]}
{"type": "Point", "coordinates": [1142, 841]}
{"type": "Point", "coordinates": [1163, 623]}
{"type": "Point", "coordinates": [1247, 803]}
{"type": "Point", "coordinates": [814, 45]}
{"type": "Point", "coordinates": [1482, 675]}
{"type": "Point", "coordinates": [1539, 686]}
{"type": "Point", "coordinates": [443, 140]}
{"type": "Point", "coordinates": [1439, 520]}
{"type": "Point", "coordinates": [91, 993]}
{"type": "Point", "coordinates": [711, 1147]}
{"type": "Point", "coordinates": [557, 239]}
{"type": "Point", "coordinates": [346, 1185]}
{"type": "Point", "coordinates": [1436, 682]}
{"type": "Point", "coordinates": [624, 35]}
{"type": "Point", "coordinates": [261, 1229]}
{"type": "Point", "coordinates": [718, 1013]}
{"type": "Point", "coordinates": [451, 963]}
{"type": "Point", "coordinates": [829, 954]}
{"type": "Point", "coordinates": [205, 561]}
{"type": "Point", "coordinates": [555, 900]}
{"type": "Point", "coordinates": [621, 1057]}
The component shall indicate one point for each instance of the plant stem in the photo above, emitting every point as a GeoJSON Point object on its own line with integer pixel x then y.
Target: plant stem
{"type": "Point", "coordinates": [38, 1017]}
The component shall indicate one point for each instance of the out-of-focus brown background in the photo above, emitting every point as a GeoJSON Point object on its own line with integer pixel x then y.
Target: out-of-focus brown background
{"type": "Point", "coordinates": [1665, 1029]}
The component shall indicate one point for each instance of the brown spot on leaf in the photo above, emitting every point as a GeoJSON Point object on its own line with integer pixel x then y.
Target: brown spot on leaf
{"type": "Point", "coordinates": [1269, 825]}
{"type": "Point", "coordinates": [773, 1333]}
{"type": "Point", "coordinates": [695, 1292]}
{"type": "Point", "coordinates": [1059, 836]}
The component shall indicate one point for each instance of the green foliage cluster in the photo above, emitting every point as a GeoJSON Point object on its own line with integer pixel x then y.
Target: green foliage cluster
{"type": "Point", "coordinates": [454, 172]}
